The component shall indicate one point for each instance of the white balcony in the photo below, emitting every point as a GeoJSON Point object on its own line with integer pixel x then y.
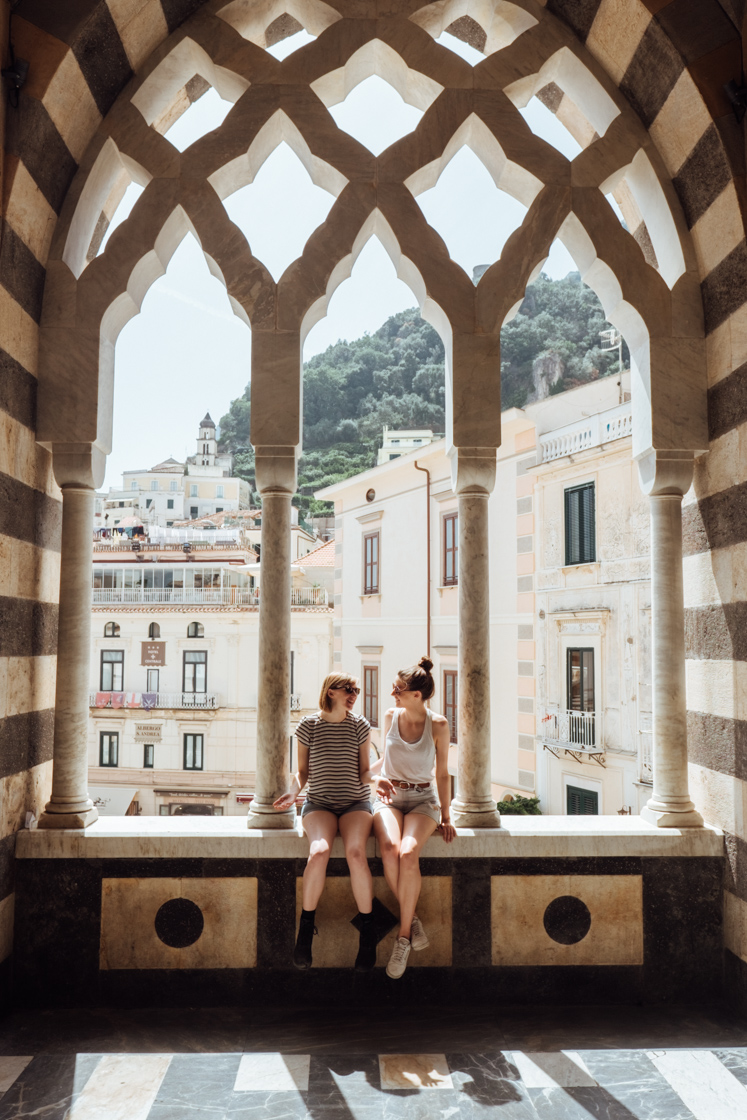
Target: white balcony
{"type": "Point", "coordinates": [576, 733]}
{"type": "Point", "coordinates": [593, 431]}
{"type": "Point", "coordinates": [134, 701]}
{"type": "Point", "coordinates": [204, 596]}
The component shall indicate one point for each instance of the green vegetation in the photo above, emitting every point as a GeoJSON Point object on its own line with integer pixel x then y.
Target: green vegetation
{"type": "Point", "coordinates": [396, 377]}
{"type": "Point", "coordinates": [519, 806]}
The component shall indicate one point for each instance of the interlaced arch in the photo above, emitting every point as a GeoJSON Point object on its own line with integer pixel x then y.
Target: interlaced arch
{"type": "Point", "coordinates": [653, 296]}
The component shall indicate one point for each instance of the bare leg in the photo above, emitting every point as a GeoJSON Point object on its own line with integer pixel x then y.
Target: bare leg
{"type": "Point", "coordinates": [388, 830]}
{"type": "Point", "coordinates": [321, 829]}
{"type": "Point", "coordinates": [417, 828]}
{"type": "Point", "coordinates": [355, 829]}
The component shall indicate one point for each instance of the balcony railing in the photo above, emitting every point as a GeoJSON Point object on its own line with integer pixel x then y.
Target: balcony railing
{"type": "Point", "coordinates": [570, 730]}
{"type": "Point", "coordinates": [149, 701]}
{"type": "Point", "coordinates": [614, 423]}
{"type": "Point", "coordinates": [204, 596]}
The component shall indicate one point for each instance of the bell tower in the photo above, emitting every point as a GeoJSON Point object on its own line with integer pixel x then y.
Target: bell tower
{"type": "Point", "coordinates": [207, 445]}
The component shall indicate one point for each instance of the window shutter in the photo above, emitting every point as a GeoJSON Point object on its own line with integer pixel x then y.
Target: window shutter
{"type": "Point", "coordinates": [580, 527]}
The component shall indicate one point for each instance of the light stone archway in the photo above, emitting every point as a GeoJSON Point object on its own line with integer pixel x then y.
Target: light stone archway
{"type": "Point", "coordinates": [649, 285]}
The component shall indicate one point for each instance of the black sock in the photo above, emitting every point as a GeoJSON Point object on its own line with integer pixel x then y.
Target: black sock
{"type": "Point", "coordinates": [308, 915]}
{"type": "Point", "coordinates": [365, 919]}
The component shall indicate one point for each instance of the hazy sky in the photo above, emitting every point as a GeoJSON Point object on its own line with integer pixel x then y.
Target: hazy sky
{"type": "Point", "coordinates": [186, 353]}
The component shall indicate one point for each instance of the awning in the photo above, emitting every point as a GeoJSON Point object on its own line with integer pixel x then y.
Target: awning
{"type": "Point", "coordinates": [112, 801]}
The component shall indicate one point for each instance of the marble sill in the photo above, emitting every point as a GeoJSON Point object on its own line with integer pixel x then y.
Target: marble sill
{"type": "Point", "coordinates": [229, 838]}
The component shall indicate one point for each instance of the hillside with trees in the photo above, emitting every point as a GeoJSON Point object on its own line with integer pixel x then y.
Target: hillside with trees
{"type": "Point", "coordinates": [395, 376]}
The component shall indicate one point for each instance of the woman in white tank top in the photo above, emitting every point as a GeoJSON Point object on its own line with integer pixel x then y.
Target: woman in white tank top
{"type": "Point", "coordinates": [410, 805]}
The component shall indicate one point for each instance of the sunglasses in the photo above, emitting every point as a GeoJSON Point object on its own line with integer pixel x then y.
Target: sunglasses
{"type": "Point", "coordinates": [349, 688]}
{"type": "Point", "coordinates": [397, 689]}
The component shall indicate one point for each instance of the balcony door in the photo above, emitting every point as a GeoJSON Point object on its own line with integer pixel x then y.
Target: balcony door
{"type": "Point", "coordinates": [580, 696]}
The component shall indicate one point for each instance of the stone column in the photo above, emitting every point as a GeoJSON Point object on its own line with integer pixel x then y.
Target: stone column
{"type": "Point", "coordinates": [70, 806]}
{"type": "Point", "coordinates": [665, 477]}
{"type": "Point", "coordinates": [276, 481]}
{"type": "Point", "coordinates": [473, 473]}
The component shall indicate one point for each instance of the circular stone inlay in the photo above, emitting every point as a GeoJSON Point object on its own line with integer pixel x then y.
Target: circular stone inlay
{"type": "Point", "coordinates": [567, 920]}
{"type": "Point", "coordinates": [179, 923]}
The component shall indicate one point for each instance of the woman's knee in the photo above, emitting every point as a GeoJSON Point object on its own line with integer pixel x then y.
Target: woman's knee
{"type": "Point", "coordinates": [409, 853]}
{"type": "Point", "coordinates": [388, 847]}
{"type": "Point", "coordinates": [319, 851]}
{"type": "Point", "coordinates": [355, 853]}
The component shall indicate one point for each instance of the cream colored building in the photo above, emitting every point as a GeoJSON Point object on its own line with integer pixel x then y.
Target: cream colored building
{"type": "Point", "coordinates": [390, 607]}
{"type": "Point", "coordinates": [173, 679]}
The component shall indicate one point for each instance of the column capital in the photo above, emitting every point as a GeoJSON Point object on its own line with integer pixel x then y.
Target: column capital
{"type": "Point", "coordinates": [473, 470]}
{"type": "Point", "coordinates": [275, 469]}
{"type": "Point", "coordinates": [78, 465]}
{"type": "Point", "coordinates": [666, 473]}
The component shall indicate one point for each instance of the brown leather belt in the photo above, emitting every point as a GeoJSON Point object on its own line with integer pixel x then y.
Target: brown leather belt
{"type": "Point", "coordinates": [410, 785]}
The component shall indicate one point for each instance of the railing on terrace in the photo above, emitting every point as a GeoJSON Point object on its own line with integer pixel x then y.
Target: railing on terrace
{"type": "Point", "coordinates": [570, 730]}
{"type": "Point", "coordinates": [221, 596]}
{"type": "Point", "coordinates": [205, 596]}
{"type": "Point", "coordinates": [148, 701]}
{"type": "Point", "coordinates": [593, 431]}
{"type": "Point", "coordinates": [170, 546]}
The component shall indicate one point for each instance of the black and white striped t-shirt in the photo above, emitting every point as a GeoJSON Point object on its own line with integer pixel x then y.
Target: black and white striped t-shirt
{"type": "Point", "coordinates": [334, 759]}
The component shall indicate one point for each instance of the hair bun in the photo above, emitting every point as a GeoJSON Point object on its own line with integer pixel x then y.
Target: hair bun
{"type": "Point", "coordinates": [425, 663]}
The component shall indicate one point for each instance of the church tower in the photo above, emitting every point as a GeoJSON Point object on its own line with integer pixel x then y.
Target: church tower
{"type": "Point", "coordinates": [207, 445]}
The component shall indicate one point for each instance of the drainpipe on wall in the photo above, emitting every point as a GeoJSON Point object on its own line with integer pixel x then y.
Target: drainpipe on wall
{"type": "Point", "coordinates": [427, 473]}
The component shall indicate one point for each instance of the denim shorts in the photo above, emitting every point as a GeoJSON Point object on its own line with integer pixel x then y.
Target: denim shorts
{"type": "Point", "coordinates": [356, 807]}
{"type": "Point", "coordinates": [412, 801]}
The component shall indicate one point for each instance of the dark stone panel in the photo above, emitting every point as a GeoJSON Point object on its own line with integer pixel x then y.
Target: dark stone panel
{"type": "Point", "coordinates": [716, 632]}
{"type": "Point", "coordinates": [564, 865]}
{"type": "Point", "coordinates": [102, 58]}
{"type": "Point", "coordinates": [27, 628]}
{"type": "Point", "coordinates": [26, 740]}
{"type": "Point", "coordinates": [6, 984]}
{"type": "Point", "coordinates": [682, 928]}
{"type": "Point", "coordinates": [703, 176]}
{"type": "Point", "coordinates": [21, 273]}
{"type": "Point", "coordinates": [725, 288]}
{"type": "Point", "coordinates": [58, 923]}
{"type": "Point", "coordinates": [735, 872]}
{"type": "Point", "coordinates": [17, 391]}
{"type": "Point", "coordinates": [276, 902]}
{"type": "Point", "coordinates": [651, 74]}
{"type": "Point", "coordinates": [735, 981]}
{"type": "Point", "coordinates": [186, 868]}
{"type": "Point", "coordinates": [7, 864]}
{"type": "Point", "coordinates": [470, 905]}
{"type": "Point", "coordinates": [696, 27]}
{"type": "Point", "coordinates": [578, 13]}
{"type": "Point", "coordinates": [717, 743]}
{"type": "Point", "coordinates": [28, 515]}
{"type": "Point", "coordinates": [727, 403]}
{"type": "Point", "coordinates": [60, 20]}
{"type": "Point", "coordinates": [33, 137]}
{"type": "Point", "coordinates": [179, 923]}
{"type": "Point", "coordinates": [176, 11]}
{"type": "Point", "coordinates": [716, 522]}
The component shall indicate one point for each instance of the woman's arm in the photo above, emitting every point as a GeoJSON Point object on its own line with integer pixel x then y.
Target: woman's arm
{"type": "Point", "coordinates": [372, 773]}
{"type": "Point", "coordinates": [443, 778]}
{"type": "Point", "coordinates": [298, 780]}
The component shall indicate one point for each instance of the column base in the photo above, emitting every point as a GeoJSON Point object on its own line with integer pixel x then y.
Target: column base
{"type": "Point", "coordinates": [474, 814]}
{"type": "Point", "coordinates": [666, 816]}
{"type": "Point", "coordinates": [264, 816]}
{"type": "Point", "coordinates": [68, 820]}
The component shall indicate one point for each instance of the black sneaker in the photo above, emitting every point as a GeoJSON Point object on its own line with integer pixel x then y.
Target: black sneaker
{"type": "Point", "coordinates": [302, 951]}
{"type": "Point", "coordinates": [366, 958]}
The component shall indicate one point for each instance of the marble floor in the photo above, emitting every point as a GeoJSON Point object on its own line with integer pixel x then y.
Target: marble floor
{"type": "Point", "coordinates": [511, 1064]}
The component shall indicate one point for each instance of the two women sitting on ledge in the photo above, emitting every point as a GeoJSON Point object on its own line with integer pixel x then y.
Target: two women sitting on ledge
{"type": "Point", "coordinates": [333, 756]}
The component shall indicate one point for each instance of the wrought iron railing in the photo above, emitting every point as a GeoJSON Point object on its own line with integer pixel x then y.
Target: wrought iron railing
{"type": "Point", "coordinates": [573, 730]}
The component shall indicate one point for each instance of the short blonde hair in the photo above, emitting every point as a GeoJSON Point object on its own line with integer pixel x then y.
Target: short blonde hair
{"type": "Point", "coordinates": [334, 680]}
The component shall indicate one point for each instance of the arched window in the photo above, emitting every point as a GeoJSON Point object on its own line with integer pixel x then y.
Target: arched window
{"type": "Point", "coordinates": [195, 630]}
{"type": "Point", "coordinates": [154, 630]}
{"type": "Point", "coordinates": [111, 630]}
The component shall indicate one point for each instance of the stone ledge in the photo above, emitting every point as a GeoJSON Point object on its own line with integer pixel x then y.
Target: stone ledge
{"type": "Point", "coordinates": [229, 838]}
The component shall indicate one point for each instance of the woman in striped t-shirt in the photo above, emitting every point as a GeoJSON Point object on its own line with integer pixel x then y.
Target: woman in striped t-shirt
{"type": "Point", "coordinates": [333, 756]}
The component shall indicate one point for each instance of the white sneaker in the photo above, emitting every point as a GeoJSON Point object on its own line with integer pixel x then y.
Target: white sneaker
{"type": "Point", "coordinates": [398, 960]}
{"type": "Point", "coordinates": [418, 936]}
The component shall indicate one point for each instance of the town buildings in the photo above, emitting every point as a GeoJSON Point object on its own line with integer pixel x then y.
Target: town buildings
{"type": "Point", "coordinates": [173, 678]}
{"type": "Point", "coordinates": [569, 597]}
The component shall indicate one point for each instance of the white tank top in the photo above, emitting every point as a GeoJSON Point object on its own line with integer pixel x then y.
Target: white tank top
{"type": "Point", "coordinates": [409, 762]}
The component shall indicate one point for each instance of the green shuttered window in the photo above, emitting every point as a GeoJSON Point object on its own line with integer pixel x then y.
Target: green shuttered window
{"type": "Point", "coordinates": [580, 529]}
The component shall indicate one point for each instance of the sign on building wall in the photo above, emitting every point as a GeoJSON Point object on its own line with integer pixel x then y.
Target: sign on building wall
{"type": "Point", "coordinates": [153, 653]}
{"type": "Point", "coordinates": [148, 732]}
